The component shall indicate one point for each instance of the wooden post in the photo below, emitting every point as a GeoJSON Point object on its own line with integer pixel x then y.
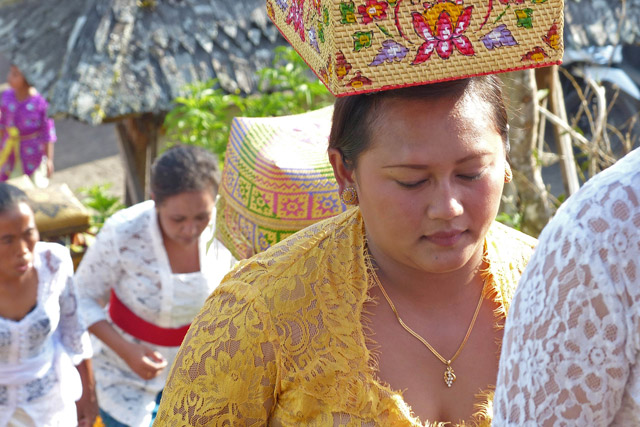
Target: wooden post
{"type": "Point", "coordinates": [138, 141]}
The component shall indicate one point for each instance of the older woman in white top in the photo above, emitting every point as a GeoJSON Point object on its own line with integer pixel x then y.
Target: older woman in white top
{"type": "Point", "coordinates": [154, 263]}
{"type": "Point", "coordinates": [41, 335]}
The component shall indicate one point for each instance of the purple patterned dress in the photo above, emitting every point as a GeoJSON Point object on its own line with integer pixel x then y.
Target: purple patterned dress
{"type": "Point", "coordinates": [36, 130]}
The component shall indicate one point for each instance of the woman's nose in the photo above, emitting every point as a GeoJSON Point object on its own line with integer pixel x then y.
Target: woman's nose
{"type": "Point", "coordinates": [24, 247]}
{"type": "Point", "coordinates": [190, 228]}
{"type": "Point", "coordinates": [445, 203]}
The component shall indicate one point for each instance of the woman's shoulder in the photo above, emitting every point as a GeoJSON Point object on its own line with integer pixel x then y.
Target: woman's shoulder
{"type": "Point", "coordinates": [38, 101]}
{"type": "Point", "coordinates": [137, 213]}
{"type": "Point", "coordinates": [507, 254]}
{"type": "Point", "coordinates": [7, 97]}
{"type": "Point", "coordinates": [504, 236]}
{"type": "Point", "coordinates": [51, 249]}
{"type": "Point", "coordinates": [306, 254]}
{"type": "Point", "coordinates": [54, 257]}
{"type": "Point", "coordinates": [7, 94]}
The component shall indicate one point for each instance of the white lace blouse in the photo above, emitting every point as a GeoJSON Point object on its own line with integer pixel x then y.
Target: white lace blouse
{"type": "Point", "coordinates": [37, 353]}
{"type": "Point", "coordinates": [572, 339]}
{"type": "Point", "coordinates": [129, 256]}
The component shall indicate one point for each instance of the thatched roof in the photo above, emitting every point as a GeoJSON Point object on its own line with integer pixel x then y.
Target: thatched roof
{"type": "Point", "coordinates": [601, 23]}
{"type": "Point", "coordinates": [102, 59]}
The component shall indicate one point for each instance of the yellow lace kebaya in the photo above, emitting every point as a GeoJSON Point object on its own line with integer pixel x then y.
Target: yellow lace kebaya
{"type": "Point", "coordinates": [281, 340]}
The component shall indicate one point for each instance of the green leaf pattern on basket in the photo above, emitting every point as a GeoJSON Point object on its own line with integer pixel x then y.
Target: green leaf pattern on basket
{"type": "Point", "coordinates": [362, 39]}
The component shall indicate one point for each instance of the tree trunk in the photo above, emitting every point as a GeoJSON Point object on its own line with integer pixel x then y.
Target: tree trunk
{"type": "Point", "coordinates": [138, 138]}
{"type": "Point", "coordinates": [532, 198]}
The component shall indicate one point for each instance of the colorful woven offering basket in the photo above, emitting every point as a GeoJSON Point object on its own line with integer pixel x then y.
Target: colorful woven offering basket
{"type": "Point", "coordinates": [357, 46]}
{"type": "Point", "coordinates": [276, 180]}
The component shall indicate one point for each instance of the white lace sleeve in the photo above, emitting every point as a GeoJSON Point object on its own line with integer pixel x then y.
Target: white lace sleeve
{"type": "Point", "coordinates": [96, 274]}
{"type": "Point", "coordinates": [571, 340]}
{"type": "Point", "coordinates": [73, 333]}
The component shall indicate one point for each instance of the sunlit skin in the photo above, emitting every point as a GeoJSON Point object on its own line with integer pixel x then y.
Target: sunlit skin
{"type": "Point", "coordinates": [18, 83]}
{"type": "Point", "coordinates": [18, 277]}
{"type": "Point", "coordinates": [439, 169]}
{"type": "Point", "coordinates": [429, 188]}
{"type": "Point", "coordinates": [182, 219]}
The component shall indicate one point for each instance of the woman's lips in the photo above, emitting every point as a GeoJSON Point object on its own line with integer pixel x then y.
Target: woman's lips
{"type": "Point", "coordinates": [445, 238]}
{"type": "Point", "coordinates": [22, 268]}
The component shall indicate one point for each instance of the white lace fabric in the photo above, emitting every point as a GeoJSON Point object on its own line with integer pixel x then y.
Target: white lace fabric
{"type": "Point", "coordinates": [570, 354]}
{"type": "Point", "coordinates": [129, 256]}
{"type": "Point", "coordinates": [53, 322]}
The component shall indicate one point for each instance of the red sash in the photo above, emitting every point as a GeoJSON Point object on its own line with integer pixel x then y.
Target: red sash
{"type": "Point", "coordinates": [129, 322]}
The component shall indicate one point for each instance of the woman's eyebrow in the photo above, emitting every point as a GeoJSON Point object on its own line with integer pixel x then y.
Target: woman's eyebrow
{"type": "Point", "coordinates": [421, 166]}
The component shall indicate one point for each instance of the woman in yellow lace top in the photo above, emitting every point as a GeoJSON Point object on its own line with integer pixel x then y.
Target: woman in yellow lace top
{"type": "Point", "coordinates": [388, 314]}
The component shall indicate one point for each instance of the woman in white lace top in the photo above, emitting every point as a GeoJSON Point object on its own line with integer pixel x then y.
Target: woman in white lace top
{"type": "Point", "coordinates": [152, 263]}
{"type": "Point", "coordinates": [572, 340]}
{"type": "Point", "coordinates": [41, 336]}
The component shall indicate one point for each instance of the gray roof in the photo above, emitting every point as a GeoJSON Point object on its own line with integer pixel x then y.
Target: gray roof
{"type": "Point", "coordinates": [102, 59]}
{"type": "Point", "coordinates": [601, 23]}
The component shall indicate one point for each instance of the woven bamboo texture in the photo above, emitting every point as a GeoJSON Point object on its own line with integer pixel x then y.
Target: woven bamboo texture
{"type": "Point", "coordinates": [369, 45]}
{"type": "Point", "coordinates": [276, 180]}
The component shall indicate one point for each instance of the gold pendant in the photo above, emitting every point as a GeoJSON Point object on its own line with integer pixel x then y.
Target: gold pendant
{"type": "Point", "coordinates": [449, 376]}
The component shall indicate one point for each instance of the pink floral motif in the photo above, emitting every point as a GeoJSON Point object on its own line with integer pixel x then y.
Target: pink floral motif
{"type": "Point", "coordinates": [295, 15]}
{"type": "Point", "coordinates": [373, 9]}
{"type": "Point", "coordinates": [442, 37]}
{"type": "Point", "coordinates": [317, 6]}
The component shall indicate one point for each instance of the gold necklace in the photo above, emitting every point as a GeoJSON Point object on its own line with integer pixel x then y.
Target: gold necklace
{"type": "Point", "coordinates": [449, 375]}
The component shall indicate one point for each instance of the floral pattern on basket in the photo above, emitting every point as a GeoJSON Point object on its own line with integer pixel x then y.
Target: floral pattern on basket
{"type": "Point", "coordinates": [366, 45]}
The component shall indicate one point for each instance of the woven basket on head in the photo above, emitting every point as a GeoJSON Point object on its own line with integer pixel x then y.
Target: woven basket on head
{"type": "Point", "coordinates": [357, 46]}
{"type": "Point", "coordinates": [276, 180]}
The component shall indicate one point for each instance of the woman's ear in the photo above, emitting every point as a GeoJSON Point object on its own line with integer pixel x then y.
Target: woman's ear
{"type": "Point", "coordinates": [344, 176]}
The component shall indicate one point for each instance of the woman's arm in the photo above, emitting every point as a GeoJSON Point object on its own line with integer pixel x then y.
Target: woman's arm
{"type": "Point", "coordinates": [49, 159]}
{"type": "Point", "coordinates": [87, 405]}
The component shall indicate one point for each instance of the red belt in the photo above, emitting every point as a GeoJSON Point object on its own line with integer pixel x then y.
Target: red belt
{"type": "Point", "coordinates": [129, 322]}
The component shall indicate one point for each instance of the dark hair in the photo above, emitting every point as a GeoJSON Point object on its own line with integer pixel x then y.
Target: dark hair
{"type": "Point", "coordinates": [354, 115]}
{"type": "Point", "coordinates": [10, 197]}
{"type": "Point", "coordinates": [181, 169]}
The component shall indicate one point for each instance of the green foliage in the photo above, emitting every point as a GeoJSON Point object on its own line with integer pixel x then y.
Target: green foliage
{"type": "Point", "coordinates": [513, 220]}
{"type": "Point", "coordinates": [203, 117]}
{"type": "Point", "coordinates": [101, 204]}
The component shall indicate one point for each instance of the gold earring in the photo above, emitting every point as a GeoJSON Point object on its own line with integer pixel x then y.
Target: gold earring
{"type": "Point", "coordinates": [349, 196]}
{"type": "Point", "coordinates": [508, 174]}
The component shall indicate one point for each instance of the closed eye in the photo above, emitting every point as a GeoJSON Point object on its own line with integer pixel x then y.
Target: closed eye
{"type": "Point", "coordinates": [411, 184]}
{"type": "Point", "coordinates": [472, 177]}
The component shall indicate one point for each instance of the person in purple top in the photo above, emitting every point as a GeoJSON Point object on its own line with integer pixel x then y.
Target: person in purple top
{"type": "Point", "coordinates": [26, 133]}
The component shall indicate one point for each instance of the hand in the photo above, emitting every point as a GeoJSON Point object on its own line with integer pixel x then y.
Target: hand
{"type": "Point", "coordinates": [87, 407]}
{"type": "Point", "coordinates": [144, 361]}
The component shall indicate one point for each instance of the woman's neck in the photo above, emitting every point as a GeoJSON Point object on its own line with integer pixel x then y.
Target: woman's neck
{"type": "Point", "coordinates": [22, 93]}
{"type": "Point", "coordinates": [11, 285]}
{"type": "Point", "coordinates": [424, 288]}
{"type": "Point", "coordinates": [182, 258]}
